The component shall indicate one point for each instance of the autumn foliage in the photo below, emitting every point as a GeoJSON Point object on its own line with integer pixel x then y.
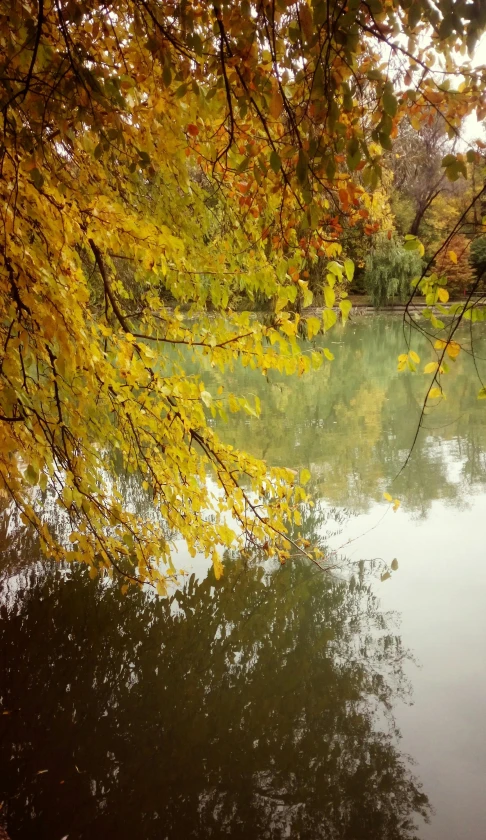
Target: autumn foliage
{"type": "Point", "coordinates": [158, 157]}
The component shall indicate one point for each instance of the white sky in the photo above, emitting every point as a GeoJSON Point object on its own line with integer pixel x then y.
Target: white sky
{"type": "Point", "coordinates": [472, 128]}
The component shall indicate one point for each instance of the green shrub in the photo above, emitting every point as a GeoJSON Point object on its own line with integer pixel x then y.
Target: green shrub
{"type": "Point", "coordinates": [478, 254]}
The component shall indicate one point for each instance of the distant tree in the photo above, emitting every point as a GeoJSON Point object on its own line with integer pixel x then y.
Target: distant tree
{"type": "Point", "coordinates": [419, 177]}
{"type": "Point", "coordinates": [478, 254]}
{"type": "Point", "coordinates": [390, 268]}
{"type": "Point", "coordinates": [455, 264]}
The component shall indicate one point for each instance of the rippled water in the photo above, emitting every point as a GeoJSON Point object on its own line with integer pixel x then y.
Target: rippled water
{"type": "Point", "coordinates": [277, 702]}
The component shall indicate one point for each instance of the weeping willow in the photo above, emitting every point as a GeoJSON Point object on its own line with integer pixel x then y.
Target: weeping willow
{"type": "Point", "coordinates": [389, 270]}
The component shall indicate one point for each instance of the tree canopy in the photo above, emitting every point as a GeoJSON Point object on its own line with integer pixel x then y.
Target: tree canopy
{"type": "Point", "coordinates": [158, 160]}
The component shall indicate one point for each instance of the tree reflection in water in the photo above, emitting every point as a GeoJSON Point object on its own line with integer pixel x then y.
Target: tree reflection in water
{"type": "Point", "coordinates": [259, 706]}
{"type": "Point", "coordinates": [353, 421]}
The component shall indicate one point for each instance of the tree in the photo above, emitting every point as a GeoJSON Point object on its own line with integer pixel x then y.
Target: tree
{"type": "Point", "coordinates": [390, 269]}
{"type": "Point", "coordinates": [456, 266]}
{"type": "Point", "coordinates": [419, 177]}
{"type": "Point", "coordinates": [212, 149]}
{"type": "Point", "coordinates": [478, 254]}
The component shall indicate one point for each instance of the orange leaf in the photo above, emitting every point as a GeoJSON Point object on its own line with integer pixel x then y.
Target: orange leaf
{"type": "Point", "coordinates": [276, 105]}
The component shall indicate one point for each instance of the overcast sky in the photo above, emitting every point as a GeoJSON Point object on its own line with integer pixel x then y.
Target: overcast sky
{"type": "Point", "coordinates": [473, 129]}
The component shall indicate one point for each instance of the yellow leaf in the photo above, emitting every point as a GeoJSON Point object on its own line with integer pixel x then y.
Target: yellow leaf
{"type": "Point", "coordinates": [217, 565]}
{"type": "Point", "coordinates": [161, 587]}
{"type": "Point", "coordinates": [452, 256]}
{"type": "Point", "coordinates": [329, 318]}
{"type": "Point", "coordinates": [443, 294]}
{"type": "Point", "coordinates": [453, 349]}
{"type": "Point", "coordinates": [388, 497]}
{"type": "Point", "coordinates": [414, 357]}
{"type": "Point", "coordinates": [349, 269]}
{"type": "Point", "coordinates": [435, 393]}
{"type": "Point", "coordinates": [329, 296]}
{"type": "Point", "coordinates": [431, 367]}
{"type": "Point", "coordinates": [313, 327]}
{"type": "Point", "coordinates": [304, 476]}
{"type": "Point", "coordinates": [328, 354]}
{"type": "Point", "coordinates": [345, 307]}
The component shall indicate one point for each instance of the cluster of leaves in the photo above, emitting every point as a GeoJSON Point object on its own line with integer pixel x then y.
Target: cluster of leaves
{"type": "Point", "coordinates": [214, 149]}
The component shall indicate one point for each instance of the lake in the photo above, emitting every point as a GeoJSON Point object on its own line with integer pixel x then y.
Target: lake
{"type": "Point", "coordinates": [279, 701]}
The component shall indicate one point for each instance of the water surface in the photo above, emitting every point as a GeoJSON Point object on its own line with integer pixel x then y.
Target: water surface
{"type": "Point", "coordinates": [276, 702]}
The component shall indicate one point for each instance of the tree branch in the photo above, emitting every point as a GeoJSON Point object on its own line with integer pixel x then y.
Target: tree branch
{"type": "Point", "coordinates": [106, 283]}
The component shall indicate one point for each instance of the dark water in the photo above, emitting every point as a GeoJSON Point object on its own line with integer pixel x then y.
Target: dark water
{"type": "Point", "coordinates": [275, 702]}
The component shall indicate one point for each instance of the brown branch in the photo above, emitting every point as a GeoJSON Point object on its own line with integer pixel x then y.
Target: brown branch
{"type": "Point", "coordinates": [12, 419]}
{"type": "Point", "coordinates": [192, 343]}
{"type": "Point", "coordinates": [227, 89]}
{"type": "Point", "coordinates": [106, 283]}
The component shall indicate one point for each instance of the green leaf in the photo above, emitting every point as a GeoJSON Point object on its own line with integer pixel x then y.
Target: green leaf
{"type": "Point", "coordinates": [349, 269]}
{"type": "Point", "coordinates": [345, 306]}
{"type": "Point", "coordinates": [335, 268]}
{"type": "Point", "coordinates": [386, 141]}
{"type": "Point", "coordinates": [390, 103]}
{"type": "Point", "coordinates": [448, 160]}
{"type": "Point", "coordinates": [331, 169]}
{"type": "Point", "coordinates": [38, 178]}
{"type": "Point", "coordinates": [302, 167]}
{"type": "Point", "coordinates": [167, 76]}
{"type": "Point", "coordinates": [275, 162]}
{"type": "Point", "coordinates": [31, 475]}
{"type": "Point", "coordinates": [353, 154]}
{"type": "Point", "coordinates": [243, 166]}
{"type": "Point", "coordinates": [329, 318]}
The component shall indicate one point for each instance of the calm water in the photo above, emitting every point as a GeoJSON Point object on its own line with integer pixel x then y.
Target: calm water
{"type": "Point", "coordinates": [281, 702]}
